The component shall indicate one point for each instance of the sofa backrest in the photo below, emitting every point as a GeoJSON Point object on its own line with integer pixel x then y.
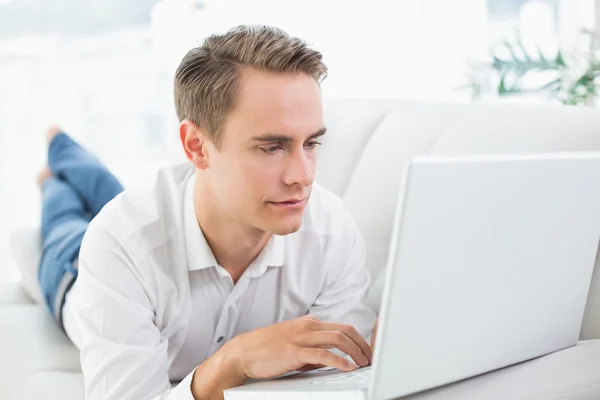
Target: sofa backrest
{"type": "Point", "coordinates": [368, 140]}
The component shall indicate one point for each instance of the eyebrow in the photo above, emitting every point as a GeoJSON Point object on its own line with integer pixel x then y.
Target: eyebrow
{"type": "Point", "coordinates": [276, 137]}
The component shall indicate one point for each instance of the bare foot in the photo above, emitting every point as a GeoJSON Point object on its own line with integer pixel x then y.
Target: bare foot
{"type": "Point", "coordinates": [51, 132]}
{"type": "Point", "coordinates": [44, 174]}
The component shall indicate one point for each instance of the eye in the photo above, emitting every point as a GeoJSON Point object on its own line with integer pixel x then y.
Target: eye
{"type": "Point", "coordinates": [312, 145]}
{"type": "Point", "coordinates": [271, 149]}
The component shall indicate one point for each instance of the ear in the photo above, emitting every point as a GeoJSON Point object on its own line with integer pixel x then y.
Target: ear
{"type": "Point", "coordinates": [195, 144]}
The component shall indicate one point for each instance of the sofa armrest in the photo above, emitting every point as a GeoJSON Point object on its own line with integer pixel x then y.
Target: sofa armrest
{"type": "Point", "coordinates": [26, 247]}
{"type": "Point", "coordinates": [12, 293]}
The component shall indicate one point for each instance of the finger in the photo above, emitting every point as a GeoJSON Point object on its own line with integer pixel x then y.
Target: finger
{"type": "Point", "coordinates": [309, 317]}
{"type": "Point", "coordinates": [349, 331]}
{"type": "Point", "coordinates": [374, 335]}
{"type": "Point", "coordinates": [326, 358]}
{"type": "Point", "coordinates": [311, 367]}
{"type": "Point", "coordinates": [335, 339]}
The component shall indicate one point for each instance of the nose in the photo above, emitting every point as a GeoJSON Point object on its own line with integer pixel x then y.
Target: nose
{"type": "Point", "coordinates": [300, 169]}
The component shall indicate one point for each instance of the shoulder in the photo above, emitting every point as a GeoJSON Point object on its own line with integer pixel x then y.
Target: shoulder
{"type": "Point", "coordinates": [145, 218]}
{"type": "Point", "coordinates": [135, 248]}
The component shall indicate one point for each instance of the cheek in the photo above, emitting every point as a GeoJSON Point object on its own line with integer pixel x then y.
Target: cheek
{"type": "Point", "coordinates": [264, 171]}
{"type": "Point", "coordinates": [255, 180]}
{"type": "Point", "coordinates": [312, 159]}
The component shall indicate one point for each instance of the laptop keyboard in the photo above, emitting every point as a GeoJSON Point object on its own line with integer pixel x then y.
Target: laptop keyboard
{"type": "Point", "coordinates": [361, 376]}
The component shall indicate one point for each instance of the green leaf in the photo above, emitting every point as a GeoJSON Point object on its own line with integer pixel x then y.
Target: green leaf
{"type": "Point", "coordinates": [584, 79]}
{"type": "Point", "coordinates": [511, 51]}
{"type": "Point", "coordinates": [559, 60]}
{"type": "Point", "coordinates": [498, 64]}
{"type": "Point", "coordinates": [541, 56]}
{"type": "Point", "coordinates": [554, 84]}
{"type": "Point", "coordinates": [502, 86]}
{"type": "Point", "coordinates": [524, 52]}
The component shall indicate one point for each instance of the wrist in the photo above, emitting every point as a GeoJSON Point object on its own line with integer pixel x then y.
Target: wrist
{"type": "Point", "coordinates": [231, 362]}
{"type": "Point", "coordinates": [217, 373]}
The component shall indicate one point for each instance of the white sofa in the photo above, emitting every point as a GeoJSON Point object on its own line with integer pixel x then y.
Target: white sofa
{"type": "Point", "coordinates": [361, 161]}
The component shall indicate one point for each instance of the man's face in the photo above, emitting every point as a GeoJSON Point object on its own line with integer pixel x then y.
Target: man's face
{"type": "Point", "coordinates": [263, 173]}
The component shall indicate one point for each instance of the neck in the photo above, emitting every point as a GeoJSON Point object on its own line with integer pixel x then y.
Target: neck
{"type": "Point", "coordinates": [234, 244]}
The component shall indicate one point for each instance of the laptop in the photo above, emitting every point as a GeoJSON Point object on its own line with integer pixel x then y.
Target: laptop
{"type": "Point", "coordinates": [490, 265]}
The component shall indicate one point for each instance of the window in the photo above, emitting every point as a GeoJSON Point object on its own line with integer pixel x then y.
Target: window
{"type": "Point", "coordinates": [534, 27]}
{"type": "Point", "coordinates": [91, 67]}
{"type": "Point", "coordinates": [536, 20]}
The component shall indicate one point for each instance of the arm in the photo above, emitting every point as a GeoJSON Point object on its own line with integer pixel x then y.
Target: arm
{"type": "Point", "coordinates": [123, 354]}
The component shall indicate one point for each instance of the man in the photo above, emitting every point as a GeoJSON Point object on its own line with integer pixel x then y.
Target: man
{"type": "Point", "coordinates": [236, 265]}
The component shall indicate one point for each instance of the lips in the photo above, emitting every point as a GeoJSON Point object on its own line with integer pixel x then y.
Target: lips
{"type": "Point", "coordinates": [289, 204]}
{"type": "Point", "coordinates": [291, 201]}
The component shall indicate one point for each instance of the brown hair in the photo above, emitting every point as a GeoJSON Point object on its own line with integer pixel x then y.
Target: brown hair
{"type": "Point", "coordinates": [207, 79]}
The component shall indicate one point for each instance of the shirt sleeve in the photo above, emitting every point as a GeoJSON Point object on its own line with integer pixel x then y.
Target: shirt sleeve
{"type": "Point", "coordinates": [123, 354]}
{"type": "Point", "coordinates": [342, 299]}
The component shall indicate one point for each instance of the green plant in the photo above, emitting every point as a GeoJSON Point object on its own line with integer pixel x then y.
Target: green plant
{"type": "Point", "coordinates": [572, 80]}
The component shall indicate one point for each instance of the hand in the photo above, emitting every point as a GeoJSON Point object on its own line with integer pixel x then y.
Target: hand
{"type": "Point", "coordinates": [297, 344]}
{"type": "Point", "coordinates": [374, 335]}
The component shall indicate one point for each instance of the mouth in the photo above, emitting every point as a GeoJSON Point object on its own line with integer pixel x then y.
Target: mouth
{"type": "Point", "coordinates": [292, 204]}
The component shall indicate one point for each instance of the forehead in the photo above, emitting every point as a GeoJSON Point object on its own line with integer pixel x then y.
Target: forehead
{"type": "Point", "coordinates": [284, 103]}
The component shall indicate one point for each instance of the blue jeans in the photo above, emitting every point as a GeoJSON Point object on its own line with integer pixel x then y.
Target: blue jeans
{"type": "Point", "coordinates": [77, 191]}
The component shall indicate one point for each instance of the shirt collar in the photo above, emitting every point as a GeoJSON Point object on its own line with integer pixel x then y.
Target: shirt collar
{"type": "Point", "coordinates": [273, 253]}
{"type": "Point", "coordinates": [200, 255]}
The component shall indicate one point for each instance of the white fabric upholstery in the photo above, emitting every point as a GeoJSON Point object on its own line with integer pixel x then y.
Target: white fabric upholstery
{"type": "Point", "coordinates": [572, 374]}
{"type": "Point", "coordinates": [31, 343]}
{"type": "Point", "coordinates": [25, 247]}
{"type": "Point", "coordinates": [590, 328]}
{"type": "Point", "coordinates": [12, 293]}
{"type": "Point", "coordinates": [47, 385]}
{"type": "Point", "coordinates": [362, 160]}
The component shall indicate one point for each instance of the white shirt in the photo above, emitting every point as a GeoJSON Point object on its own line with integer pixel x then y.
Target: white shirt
{"type": "Point", "coordinates": [151, 303]}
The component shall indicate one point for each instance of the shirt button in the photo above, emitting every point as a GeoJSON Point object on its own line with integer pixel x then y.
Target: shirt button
{"type": "Point", "coordinates": [220, 339]}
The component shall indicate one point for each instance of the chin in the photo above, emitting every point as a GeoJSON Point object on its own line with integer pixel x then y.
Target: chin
{"type": "Point", "coordinates": [285, 227]}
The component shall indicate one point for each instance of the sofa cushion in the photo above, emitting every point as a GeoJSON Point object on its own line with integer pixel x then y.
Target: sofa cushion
{"type": "Point", "coordinates": [13, 293]}
{"type": "Point", "coordinates": [590, 327]}
{"type": "Point", "coordinates": [572, 374]}
{"type": "Point", "coordinates": [30, 341]}
{"type": "Point", "coordinates": [47, 385]}
{"type": "Point", "coordinates": [372, 191]}
{"type": "Point", "coordinates": [25, 247]}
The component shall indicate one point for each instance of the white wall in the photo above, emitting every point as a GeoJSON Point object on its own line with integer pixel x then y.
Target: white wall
{"type": "Point", "coordinates": [415, 49]}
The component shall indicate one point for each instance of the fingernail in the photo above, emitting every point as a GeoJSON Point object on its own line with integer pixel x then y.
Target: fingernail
{"type": "Point", "coordinates": [366, 361]}
{"type": "Point", "coordinates": [352, 365]}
